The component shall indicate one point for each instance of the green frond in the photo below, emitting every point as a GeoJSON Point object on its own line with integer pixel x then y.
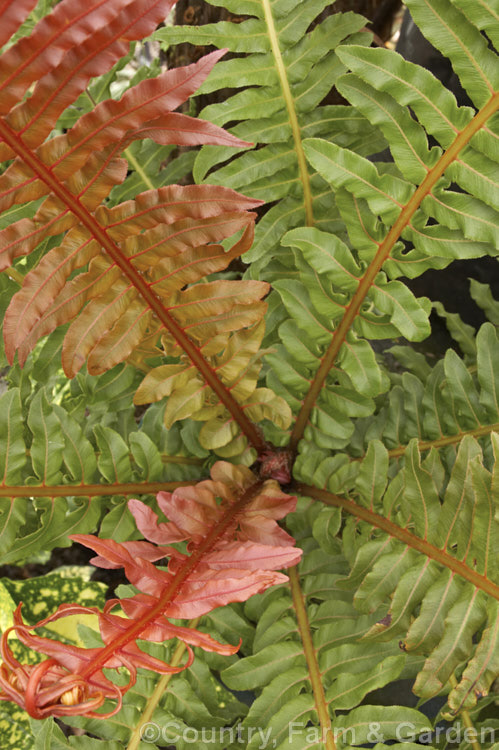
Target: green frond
{"type": "Point", "coordinates": [279, 670]}
{"type": "Point", "coordinates": [287, 73]}
{"type": "Point", "coordinates": [52, 471]}
{"type": "Point", "coordinates": [435, 559]}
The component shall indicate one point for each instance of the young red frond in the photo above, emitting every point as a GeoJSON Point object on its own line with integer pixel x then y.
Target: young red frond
{"type": "Point", "coordinates": [126, 278]}
{"type": "Point", "coordinates": [67, 47]}
{"type": "Point", "coordinates": [222, 565]}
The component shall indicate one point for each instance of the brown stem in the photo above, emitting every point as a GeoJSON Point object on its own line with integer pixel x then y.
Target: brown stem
{"type": "Point", "coordinates": [385, 248]}
{"type": "Point", "coordinates": [405, 536]}
{"type": "Point", "coordinates": [60, 190]}
{"type": "Point", "coordinates": [92, 490]}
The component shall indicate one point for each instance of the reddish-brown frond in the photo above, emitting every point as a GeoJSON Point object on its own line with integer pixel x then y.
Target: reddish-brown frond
{"type": "Point", "coordinates": [234, 552]}
{"type": "Point", "coordinates": [13, 13]}
{"type": "Point", "coordinates": [68, 47]}
{"type": "Point", "coordinates": [129, 278]}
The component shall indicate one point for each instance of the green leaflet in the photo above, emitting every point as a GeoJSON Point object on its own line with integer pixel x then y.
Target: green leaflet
{"type": "Point", "coordinates": [278, 669]}
{"type": "Point", "coordinates": [48, 735]}
{"type": "Point", "coordinates": [288, 73]}
{"type": "Point", "coordinates": [60, 453]}
{"type": "Point", "coordinates": [47, 443]}
{"type": "Point", "coordinates": [12, 447]}
{"type": "Point", "coordinates": [439, 612]}
{"type": "Point", "coordinates": [487, 361]}
{"type": "Point", "coordinates": [483, 297]}
{"type": "Point", "coordinates": [78, 453]}
{"type": "Point", "coordinates": [193, 705]}
{"type": "Point", "coordinates": [410, 85]}
{"type": "Point", "coordinates": [445, 497]}
{"type": "Point", "coordinates": [437, 406]}
{"type": "Point", "coordinates": [381, 88]}
{"type": "Point", "coordinates": [114, 462]}
{"type": "Point", "coordinates": [316, 303]}
{"type": "Point", "coordinates": [50, 521]}
{"type": "Point", "coordinates": [380, 723]}
{"type": "Point", "coordinates": [471, 58]}
{"type": "Point", "coordinates": [481, 668]}
{"type": "Point", "coordinates": [461, 332]}
{"type": "Point", "coordinates": [400, 437]}
{"type": "Point", "coordinates": [350, 689]}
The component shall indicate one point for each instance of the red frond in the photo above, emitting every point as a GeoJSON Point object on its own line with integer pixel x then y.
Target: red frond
{"type": "Point", "coordinates": [227, 560]}
{"type": "Point", "coordinates": [125, 278]}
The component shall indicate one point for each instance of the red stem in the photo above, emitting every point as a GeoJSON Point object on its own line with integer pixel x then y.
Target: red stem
{"type": "Point", "coordinates": [59, 189]}
{"type": "Point", "coordinates": [134, 631]}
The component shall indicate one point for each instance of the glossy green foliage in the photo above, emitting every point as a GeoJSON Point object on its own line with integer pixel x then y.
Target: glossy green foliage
{"type": "Point", "coordinates": [392, 452]}
{"type": "Point", "coordinates": [282, 78]}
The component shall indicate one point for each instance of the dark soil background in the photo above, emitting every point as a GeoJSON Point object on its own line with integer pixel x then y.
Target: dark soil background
{"type": "Point", "coordinates": [74, 555]}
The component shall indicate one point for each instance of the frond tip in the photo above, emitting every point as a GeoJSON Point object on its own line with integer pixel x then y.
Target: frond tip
{"type": "Point", "coordinates": [235, 549]}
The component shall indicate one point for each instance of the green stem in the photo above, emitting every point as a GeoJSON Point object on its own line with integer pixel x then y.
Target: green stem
{"type": "Point", "coordinates": [135, 164]}
{"type": "Point", "coordinates": [385, 248]}
{"type": "Point", "coordinates": [91, 98]}
{"type": "Point", "coordinates": [14, 274]}
{"type": "Point", "coordinates": [311, 657]}
{"type": "Point", "coordinates": [293, 118]}
{"type": "Point", "coordinates": [158, 692]}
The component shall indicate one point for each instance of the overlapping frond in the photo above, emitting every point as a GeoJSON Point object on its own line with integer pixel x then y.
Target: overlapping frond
{"type": "Point", "coordinates": [428, 540]}
{"type": "Point", "coordinates": [438, 405]}
{"type": "Point", "coordinates": [129, 277]}
{"type": "Point", "coordinates": [422, 538]}
{"type": "Point", "coordinates": [284, 75]}
{"type": "Point", "coordinates": [55, 480]}
{"type": "Point", "coordinates": [235, 549]}
{"type": "Point", "coordinates": [441, 405]}
{"type": "Point", "coordinates": [308, 632]}
{"type": "Point", "coordinates": [434, 204]}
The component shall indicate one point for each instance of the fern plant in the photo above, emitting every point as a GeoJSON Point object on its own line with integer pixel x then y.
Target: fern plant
{"type": "Point", "coordinates": [228, 399]}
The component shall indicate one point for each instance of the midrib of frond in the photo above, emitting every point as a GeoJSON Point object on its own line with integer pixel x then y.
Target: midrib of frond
{"type": "Point", "coordinates": [424, 445]}
{"type": "Point", "coordinates": [405, 536]}
{"type": "Point", "coordinates": [383, 253]}
{"type": "Point", "coordinates": [92, 490]}
{"type": "Point", "coordinates": [290, 106]}
{"type": "Point", "coordinates": [60, 190]}
{"type": "Point", "coordinates": [441, 442]}
{"type": "Point", "coordinates": [311, 659]}
{"type": "Point", "coordinates": [133, 632]}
